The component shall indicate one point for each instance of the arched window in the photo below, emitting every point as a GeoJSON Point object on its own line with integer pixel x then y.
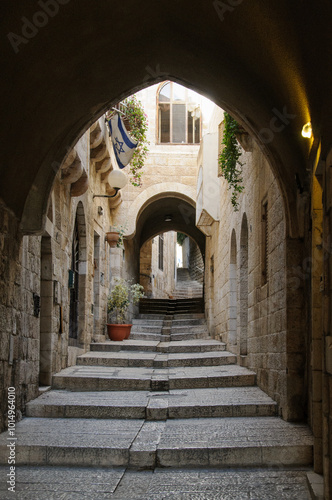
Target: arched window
{"type": "Point", "coordinates": [179, 115]}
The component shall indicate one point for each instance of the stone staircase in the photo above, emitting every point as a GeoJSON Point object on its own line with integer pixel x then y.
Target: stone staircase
{"type": "Point", "coordinates": [163, 398]}
{"type": "Point", "coordinates": [185, 287]}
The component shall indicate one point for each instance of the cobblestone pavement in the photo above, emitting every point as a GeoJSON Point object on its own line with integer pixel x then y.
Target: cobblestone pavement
{"type": "Point", "coordinates": [62, 483]}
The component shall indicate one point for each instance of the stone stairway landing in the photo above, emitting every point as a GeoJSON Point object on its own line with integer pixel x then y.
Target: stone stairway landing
{"type": "Point", "coordinates": [144, 404]}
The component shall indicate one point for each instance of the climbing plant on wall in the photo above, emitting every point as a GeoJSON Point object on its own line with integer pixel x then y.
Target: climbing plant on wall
{"type": "Point", "coordinates": [180, 237]}
{"type": "Point", "coordinates": [230, 165]}
{"type": "Point", "coordinates": [137, 122]}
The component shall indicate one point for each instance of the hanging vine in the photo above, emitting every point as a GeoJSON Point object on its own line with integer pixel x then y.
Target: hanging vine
{"type": "Point", "coordinates": [138, 123]}
{"type": "Point", "coordinates": [230, 165]}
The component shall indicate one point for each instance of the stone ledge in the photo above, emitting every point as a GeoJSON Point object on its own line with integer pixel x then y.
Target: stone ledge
{"type": "Point", "coordinates": [316, 485]}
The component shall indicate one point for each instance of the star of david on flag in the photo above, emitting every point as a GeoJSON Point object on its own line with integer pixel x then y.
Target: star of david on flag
{"type": "Point", "coordinates": [124, 146]}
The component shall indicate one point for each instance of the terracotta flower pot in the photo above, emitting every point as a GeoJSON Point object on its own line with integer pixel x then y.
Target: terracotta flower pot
{"type": "Point", "coordinates": [112, 238]}
{"type": "Point", "coordinates": [118, 332]}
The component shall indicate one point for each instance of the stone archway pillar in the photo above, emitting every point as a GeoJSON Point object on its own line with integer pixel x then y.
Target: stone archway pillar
{"type": "Point", "coordinates": [297, 328]}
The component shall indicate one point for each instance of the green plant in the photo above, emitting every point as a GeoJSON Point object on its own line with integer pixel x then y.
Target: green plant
{"type": "Point", "coordinates": [180, 237]}
{"type": "Point", "coordinates": [121, 230]}
{"type": "Point", "coordinates": [134, 112]}
{"type": "Point", "coordinates": [230, 166]}
{"type": "Point", "coordinates": [122, 294]}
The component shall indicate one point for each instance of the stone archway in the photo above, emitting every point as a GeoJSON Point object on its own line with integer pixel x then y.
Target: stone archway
{"type": "Point", "coordinates": [157, 192]}
{"type": "Point", "coordinates": [272, 92]}
{"type": "Point", "coordinates": [229, 72]}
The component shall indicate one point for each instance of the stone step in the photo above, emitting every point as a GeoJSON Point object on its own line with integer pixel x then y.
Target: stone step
{"type": "Point", "coordinates": [189, 328]}
{"type": "Point", "coordinates": [152, 337]}
{"type": "Point", "coordinates": [168, 337]}
{"type": "Point", "coordinates": [120, 483]}
{"type": "Point", "coordinates": [187, 336]}
{"type": "Point", "coordinates": [148, 321]}
{"type": "Point", "coordinates": [178, 322]}
{"type": "Point", "coordinates": [199, 345]}
{"type": "Point", "coordinates": [199, 442]}
{"type": "Point", "coordinates": [98, 378]}
{"type": "Point", "coordinates": [158, 317]}
{"type": "Point", "coordinates": [152, 359]}
{"type": "Point", "coordinates": [125, 345]}
{"type": "Point", "coordinates": [155, 346]}
{"type": "Point", "coordinates": [137, 328]}
{"type": "Point", "coordinates": [190, 403]}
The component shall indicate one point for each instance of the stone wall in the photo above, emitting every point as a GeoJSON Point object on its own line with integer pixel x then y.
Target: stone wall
{"type": "Point", "coordinates": [196, 263]}
{"type": "Point", "coordinates": [244, 309]}
{"type": "Point", "coordinates": [34, 280]}
{"type": "Point", "coordinates": [163, 279]}
{"type": "Point", "coordinates": [174, 163]}
{"type": "Point", "coordinates": [19, 341]}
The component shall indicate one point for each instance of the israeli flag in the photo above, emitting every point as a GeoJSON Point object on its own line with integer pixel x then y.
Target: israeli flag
{"type": "Point", "coordinates": [123, 145]}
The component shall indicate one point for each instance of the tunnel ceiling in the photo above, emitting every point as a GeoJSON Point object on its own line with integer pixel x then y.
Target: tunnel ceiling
{"type": "Point", "coordinates": [266, 61]}
{"type": "Point", "coordinates": [152, 220]}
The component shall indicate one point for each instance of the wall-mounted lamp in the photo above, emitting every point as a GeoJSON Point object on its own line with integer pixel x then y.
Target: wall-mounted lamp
{"type": "Point", "coordinates": [307, 130]}
{"type": "Point", "coordinates": [168, 218]}
{"type": "Point", "coordinates": [117, 180]}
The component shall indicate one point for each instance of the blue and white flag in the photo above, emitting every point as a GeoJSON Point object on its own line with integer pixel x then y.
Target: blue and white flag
{"type": "Point", "coordinates": [123, 145]}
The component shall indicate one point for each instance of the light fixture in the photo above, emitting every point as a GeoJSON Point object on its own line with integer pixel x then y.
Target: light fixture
{"type": "Point", "coordinates": [307, 130]}
{"type": "Point", "coordinates": [117, 180]}
{"type": "Point", "coordinates": [168, 218]}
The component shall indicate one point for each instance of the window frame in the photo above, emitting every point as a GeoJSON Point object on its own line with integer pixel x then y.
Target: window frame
{"type": "Point", "coordinates": [172, 102]}
{"type": "Point", "coordinates": [161, 252]}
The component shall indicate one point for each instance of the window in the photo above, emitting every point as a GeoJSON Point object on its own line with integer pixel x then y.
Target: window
{"type": "Point", "coordinates": [179, 115]}
{"type": "Point", "coordinates": [161, 252]}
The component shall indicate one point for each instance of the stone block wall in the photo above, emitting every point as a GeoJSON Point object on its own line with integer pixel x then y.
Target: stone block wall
{"type": "Point", "coordinates": [35, 344]}
{"type": "Point", "coordinates": [244, 310]}
{"type": "Point", "coordinates": [19, 335]}
{"type": "Point", "coordinates": [196, 264]}
{"type": "Point", "coordinates": [163, 280]}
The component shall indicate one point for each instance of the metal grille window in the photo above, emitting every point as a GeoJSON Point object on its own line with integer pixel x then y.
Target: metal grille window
{"type": "Point", "coordinates": [161, 252]}
{"type": "Point", "coordinates": [179, 115]}
{"type": "Point", "coordinates": [265, 241]}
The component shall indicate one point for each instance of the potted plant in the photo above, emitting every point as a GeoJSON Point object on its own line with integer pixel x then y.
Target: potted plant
{"type": "Point", "coordinates": [122, 295]}
{"type": "Point", "coordinates": [114, 237]}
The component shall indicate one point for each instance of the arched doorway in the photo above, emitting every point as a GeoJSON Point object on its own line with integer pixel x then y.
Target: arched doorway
{"type": "Point", "coordinates": [232, 314]}
{"type": "Point", "coordinates": [243, 302]}
{"type": "Point", "coordinates": [77, 279]}
{"type": "Point", "coordinates": [46, 311]}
